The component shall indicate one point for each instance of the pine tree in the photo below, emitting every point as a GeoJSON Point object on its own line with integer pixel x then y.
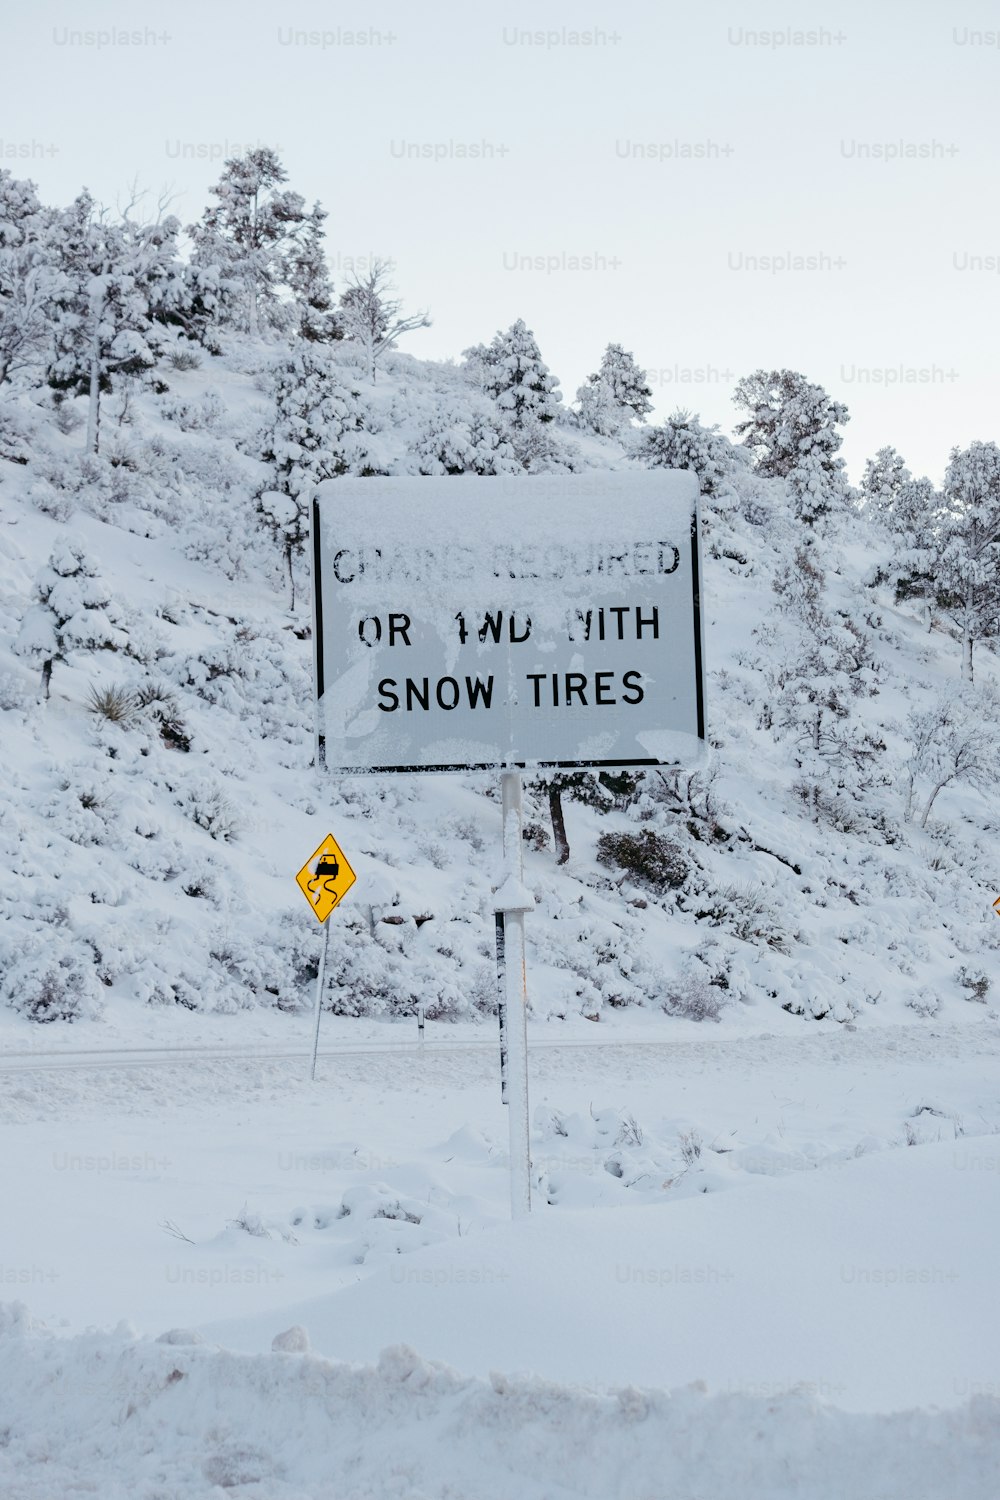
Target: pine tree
{"type": "Point", "coordinates": [615, 395]}
{"type": "Point", "coordinates": [882, 483]}
{"type": "Point", "coordinates": [373, 317]}
{"type": "Point", "coordinates": [112, 277]}
{"type": "Point", "coordinates": [251, 237]}
{"type": "Point", "coordinates": [792, 430]}
{"type": "Point", "coordinates": [311, 438]}
{"type": "Point", "coordinates": [682, 442]}
{"type": "Point", "coordinates": [516, 377]}
{"type": "Point", "coordinates": [966, 563]}
{"type": "Point", "coordinates": [73, 611]}
{"type": "Point", "coordinates": [513, 374]}
{"type": "Point", "coordinates": [819, 662]}
{"type": "Point", "coordinates": [309, 280]}
{"type": "Point", "coordinates": [909, 510]}
{"type": "Point", "coordinates": [28, 277]}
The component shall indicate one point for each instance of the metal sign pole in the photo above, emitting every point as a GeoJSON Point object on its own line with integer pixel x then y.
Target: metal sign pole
{"type": "Point", "coordinates": [501, 942]}
{"type": "Point", "coordinates": [320, 980]}
{"type": "Point", "coordinates": [512, 901]}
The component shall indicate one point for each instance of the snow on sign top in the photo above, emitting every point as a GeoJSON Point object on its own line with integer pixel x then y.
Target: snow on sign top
{"type": "Point", "coordinates": [468, 623]}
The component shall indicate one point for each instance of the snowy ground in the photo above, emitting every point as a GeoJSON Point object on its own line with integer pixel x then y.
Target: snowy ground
{"type": "Point", "coordinates": [805, 1224]}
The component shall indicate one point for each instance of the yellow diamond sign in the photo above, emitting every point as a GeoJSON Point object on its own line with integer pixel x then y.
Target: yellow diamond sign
{"type": "Point", "coordinates": [996, 906]}
{"type": "Point", "coordinates": [325, 878]}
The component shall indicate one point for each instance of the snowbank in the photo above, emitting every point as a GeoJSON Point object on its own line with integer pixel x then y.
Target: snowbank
{"type": "Point", "coordinates": [120, 1417]}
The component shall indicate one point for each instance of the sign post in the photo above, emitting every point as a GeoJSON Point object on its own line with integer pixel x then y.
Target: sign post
{"type": "Point", "coordinates": [324, 879]}
{"type": "Point", "coordinates": [547, 622]}
{"type": "Point", "coordinates": [512, 900]}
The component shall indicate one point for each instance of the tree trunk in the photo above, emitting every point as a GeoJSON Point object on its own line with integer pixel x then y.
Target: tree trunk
{"type": "Point", "coordinates": [46, 677]}
{"type": "Point", "coordinates": [558, 823]}
{"type": "Point", "coordinates": [967, 640]}
{"type": "Point", "coordinates": [94, 414]}
{"type": "Point", "coordinates": [291, 574]}
{"type": "Point", "coordinates": [930, 803]}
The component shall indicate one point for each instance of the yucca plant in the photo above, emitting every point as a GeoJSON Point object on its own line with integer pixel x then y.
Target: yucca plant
{"type": "Point", "coordinates": [115, 703]}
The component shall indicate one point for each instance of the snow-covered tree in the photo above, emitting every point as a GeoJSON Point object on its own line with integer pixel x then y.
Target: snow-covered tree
{"type": "Point", "coordinates": [515, 376]}
{"type": "Point", "coordinates": [967, 552]}
{"type": "Point", "coordinates": [883, 480]}
{"type": "Point", "coordinates": [28, 277]}
{"type": "Point", "coordinates": [252, 236]}
{"type": "Point", "coordinates": [955, 740]}
{"type": "Point", "coordinates": [616, 394]}
{"type": "Point", "coordinates": [818, 662]}
{"type": "Point", "coordinates": [73, 611]}
{"type": "Point", "coordinates": [511, 371]}
{"type": "Point", "coordinates": [682, 442]}
{"type": "Point", "coordinates": [463, 437]}
{"type": "Point", "coordinates": [112, 276]}
{"type": "Point", "coordinates": [309, 280]}
{"type": "Point", "coordinates": [372, 316]}
{"type": "Point", "coordinates": [791, 428]}
{"type": "Point", "coordinates": [312, 437]}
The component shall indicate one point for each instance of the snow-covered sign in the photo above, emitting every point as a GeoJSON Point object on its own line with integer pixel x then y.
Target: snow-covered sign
{"type": "Point", "coordinates": [482, 623]}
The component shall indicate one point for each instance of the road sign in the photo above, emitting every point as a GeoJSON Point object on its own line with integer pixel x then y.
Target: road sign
{"type": "Point", "coordinates": [325, 878]}
{"type": "Point", "coordinates": [996, 906]}
{"type": "Point", "coordinates": [508, 621]}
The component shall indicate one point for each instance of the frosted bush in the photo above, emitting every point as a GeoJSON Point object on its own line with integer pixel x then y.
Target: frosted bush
{"type": "Point", "coordinates": [51, 980]}
{"type": "Point", "coordinates": [206, 803]}
{"type": "Point", "coordinates": [647, 857]}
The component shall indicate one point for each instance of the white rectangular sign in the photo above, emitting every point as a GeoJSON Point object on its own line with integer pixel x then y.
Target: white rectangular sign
{"type": "Point", "coordinates": [480, 623]}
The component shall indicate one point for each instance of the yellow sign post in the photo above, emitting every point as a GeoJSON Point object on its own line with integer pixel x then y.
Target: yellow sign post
{"type": "Point", "coordinates": [324, 880]}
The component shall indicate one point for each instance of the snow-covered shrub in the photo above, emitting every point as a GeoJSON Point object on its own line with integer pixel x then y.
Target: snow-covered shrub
{"type": "Point", "coordinates": [51, 979]}
{"type": "Point", "coordinates": [977, 984]}
{"type": "Point", "coordinates": [206, 803]}
{"type": "Point", "coordinates": [745, 911]}
{"type": "Point", "coordinates": [13, 693]}
{"type": "Point", "coordinates": [647, 857]}
{"type": "Point", "coordinates": [155, 703]}
{"type": "Point", "coordinates": [251, 673]}
{"type": "Point", "coordinates": [693, 997]}
{"type": "Point", "coordinates": [463, 438]}
{"type": "Point", "coordinates": [184, 359]}
{"type": "Point", "coordinates": [81, 808]}
{"type": "Point", "coordinates": [199, 414]}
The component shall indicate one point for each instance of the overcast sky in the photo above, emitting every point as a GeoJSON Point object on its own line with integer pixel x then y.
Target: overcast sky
{"type": "Point", "coordinates": [678, 151]}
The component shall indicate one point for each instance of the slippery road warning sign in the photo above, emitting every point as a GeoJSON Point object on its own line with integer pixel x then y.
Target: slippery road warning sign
{"type": "Point", "coordinates": [325, 878]}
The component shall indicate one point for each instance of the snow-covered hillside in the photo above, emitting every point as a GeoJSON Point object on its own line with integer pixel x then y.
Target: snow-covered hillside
{"type": "Point", "coordinates": [149, 837]}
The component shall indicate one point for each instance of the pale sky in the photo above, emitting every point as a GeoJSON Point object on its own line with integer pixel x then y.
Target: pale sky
{"type": "Point", "coordinates": [865, 136]}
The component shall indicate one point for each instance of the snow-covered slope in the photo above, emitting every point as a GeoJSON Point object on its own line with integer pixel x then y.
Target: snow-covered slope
{"type": "Point", "coordinates": [147, 864]}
